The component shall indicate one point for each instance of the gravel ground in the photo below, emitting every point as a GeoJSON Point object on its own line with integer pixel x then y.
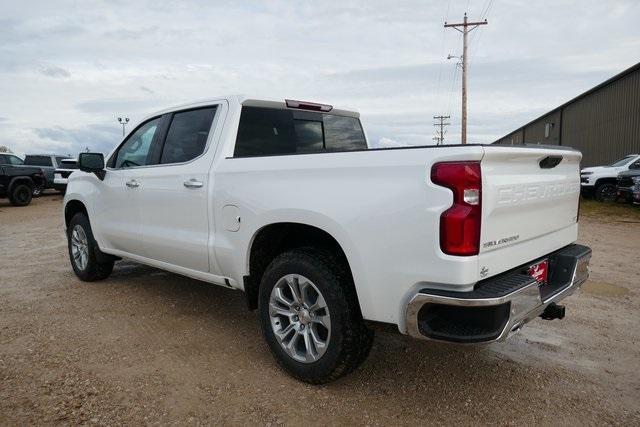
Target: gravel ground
{"type": "Point", "coordinates": [148, 347]}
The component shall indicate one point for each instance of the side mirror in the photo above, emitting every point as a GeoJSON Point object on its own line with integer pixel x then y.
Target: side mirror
{"type": "Point", "coordinates": [92, 163]}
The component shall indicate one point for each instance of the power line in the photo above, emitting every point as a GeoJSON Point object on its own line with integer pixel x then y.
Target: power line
{"type": "Point", "coordinates": [466, 28]}
{"type": "Point", "coordinates": [478, 35]}
{"type": "Point", "coordinates": [439, 138]}
{"type": "Point", "coordinates": [442, 47]}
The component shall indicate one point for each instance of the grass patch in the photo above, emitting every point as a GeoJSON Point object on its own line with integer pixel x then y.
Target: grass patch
{"type": "Point", "coordinates": [590, 208]}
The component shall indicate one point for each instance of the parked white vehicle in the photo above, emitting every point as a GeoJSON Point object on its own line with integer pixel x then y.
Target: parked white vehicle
{"type": "Point", "coordinates": [62, 172]}
{"type": "Point", "coordinates": [284, 201]}
{"type": "Point", "coordinates": [601, 181]}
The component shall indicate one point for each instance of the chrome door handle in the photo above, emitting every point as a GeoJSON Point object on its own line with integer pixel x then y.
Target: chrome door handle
{"type": "Point", "coordinates": [193, 183]}
{"type": "Point", "coordinates": [133, 183]}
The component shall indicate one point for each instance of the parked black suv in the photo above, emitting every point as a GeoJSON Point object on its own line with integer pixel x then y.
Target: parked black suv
{"type": "Point", "coordinates": [629, 186]}
{"type": "Point", "coordinates": [17, 183]}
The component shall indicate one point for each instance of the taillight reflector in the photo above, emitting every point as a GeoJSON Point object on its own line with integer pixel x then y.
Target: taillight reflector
{"type": "Point", "coordinates": [460, 224]}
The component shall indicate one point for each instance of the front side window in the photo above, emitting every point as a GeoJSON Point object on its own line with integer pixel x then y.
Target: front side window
{"type": "Point", "coordinates": [187, 135]}
{"type": "Point", "coordinates": [38, 161]}
{"type": "Point", "coordinates": [135, 150]}
{"type": "Point", "coordinates": [15, 160]}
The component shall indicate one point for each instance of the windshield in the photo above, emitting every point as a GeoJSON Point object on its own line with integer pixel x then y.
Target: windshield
{"type": "Point", "coordinates": [68, 164]}
{"type": "Point", "coordinates": [38, 161]}
{"type": "Point", "coordinates": [623, 161]}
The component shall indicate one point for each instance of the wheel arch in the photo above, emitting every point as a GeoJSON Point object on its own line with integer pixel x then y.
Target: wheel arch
{"type": "Point", "coordinates": [73, 207]}
{"type": "Point", "coordinates": [19, 180]}
{"type": "Point", "coordinates": [605, 180]}
{"type": "Point", "coordinates": [275, 238]}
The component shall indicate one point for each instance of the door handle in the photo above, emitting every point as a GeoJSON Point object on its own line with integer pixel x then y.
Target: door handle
{"type": "Point", "coordinates": [133, 183]}
{"type": "Point", "coordinates": [193, 183]}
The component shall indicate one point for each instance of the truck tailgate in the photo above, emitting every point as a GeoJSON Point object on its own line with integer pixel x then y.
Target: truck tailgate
{"type": "Point", "coordinates": [529, 203]}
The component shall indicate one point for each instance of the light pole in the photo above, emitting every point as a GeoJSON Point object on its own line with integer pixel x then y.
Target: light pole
{"type": "Point", "coordinates": [123, 122]}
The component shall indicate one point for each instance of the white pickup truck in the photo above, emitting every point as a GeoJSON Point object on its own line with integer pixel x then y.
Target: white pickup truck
{"type": "Point", "coordinates": [285, 201]}
{"type": "Point", "coordinates": [600, 181]}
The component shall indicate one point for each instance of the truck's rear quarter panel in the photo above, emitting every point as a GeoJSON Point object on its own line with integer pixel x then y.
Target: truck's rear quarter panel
{"type": "Point", "coordinates": [379, 205]}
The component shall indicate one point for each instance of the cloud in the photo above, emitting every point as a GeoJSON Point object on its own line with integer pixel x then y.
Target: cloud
{"type": "Point", "coordinates": [117, 106]}
{"type": "Point", "coordinates": [97, 137]}
{"type": "Point", "coordinates": [64, 69]}
{"type": "Point", "coordinates": [56, 72]}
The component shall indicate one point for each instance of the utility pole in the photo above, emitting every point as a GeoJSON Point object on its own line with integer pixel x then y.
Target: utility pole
{"type": "Point", "coordinates": [123, 122]}
{"type": "Point", "coordinates": [465, 31]}
{"type": "Point", "coordinates": [439, 138]}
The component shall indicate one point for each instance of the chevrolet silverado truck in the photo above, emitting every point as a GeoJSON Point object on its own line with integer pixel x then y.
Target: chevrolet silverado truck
{"type": "Point", "coordinates": [285, 201]}
{"type": "Point", "coordinates": [600, 181]}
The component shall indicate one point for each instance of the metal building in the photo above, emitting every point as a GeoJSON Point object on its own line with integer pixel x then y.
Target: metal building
{"type": "Point", "coordinates": [603, 123]}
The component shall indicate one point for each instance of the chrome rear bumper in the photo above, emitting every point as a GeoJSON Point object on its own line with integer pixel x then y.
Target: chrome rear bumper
{"type": "Point", "coordinates": [498, 306]}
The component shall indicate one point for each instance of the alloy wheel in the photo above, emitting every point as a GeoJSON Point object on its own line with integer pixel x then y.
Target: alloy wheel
{"type": "Point", "coordinates": [79, 247]}
{"type": "Point", "coordinates": [300, 318]}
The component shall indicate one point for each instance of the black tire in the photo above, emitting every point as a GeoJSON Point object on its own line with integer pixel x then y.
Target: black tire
{"type": "Point", "coordinates": [20, 195]}
{"type": "Point", "coordinates": [606, 192]}
{"type": "Point", "coordinates": [350, 340]}
{"type": "Point", "coordinates": [94, 269]}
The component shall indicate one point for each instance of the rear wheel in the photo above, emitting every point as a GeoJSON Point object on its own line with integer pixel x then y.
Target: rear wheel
{"type": "Point", "coordinates": [310, 316]}
{"type": "Point", "coordinates": [606, 192]}
{"type": "Point", "coordinates": [83, 251]}
{"type": "Point", "coordinates": [20, 195]}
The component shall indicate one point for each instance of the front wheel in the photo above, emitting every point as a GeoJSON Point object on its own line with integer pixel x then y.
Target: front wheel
{"type": "Point", "coordinates": [310, 316]}
{"type": "Point", "coordinates": [606, 192]}
{"type": "Point", "coordinates": [83, 251]}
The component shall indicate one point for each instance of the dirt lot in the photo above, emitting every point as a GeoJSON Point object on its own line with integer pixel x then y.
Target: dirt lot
{"type": "Point", "coordinates": [149, 347]}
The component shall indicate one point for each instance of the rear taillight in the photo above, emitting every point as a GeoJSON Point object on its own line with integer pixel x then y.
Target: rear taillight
{"type": "Point", "coordinates": [460, 224]}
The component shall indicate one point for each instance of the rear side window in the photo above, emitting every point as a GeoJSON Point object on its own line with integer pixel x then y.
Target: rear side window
{"type": "Point", "coordinates": [269, 131]}
{"type": "Point", "coordinates": [187, 135]}
{"type": "Point", "coordinates": [38, 161]}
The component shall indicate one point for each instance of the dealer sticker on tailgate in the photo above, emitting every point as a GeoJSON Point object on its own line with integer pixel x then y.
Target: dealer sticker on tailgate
{"type": "Point", "coordinates": [540, 271]}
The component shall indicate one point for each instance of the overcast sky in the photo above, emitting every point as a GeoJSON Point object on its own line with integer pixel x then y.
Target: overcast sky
{"type": "Point", "coordinates": [69, 69]}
